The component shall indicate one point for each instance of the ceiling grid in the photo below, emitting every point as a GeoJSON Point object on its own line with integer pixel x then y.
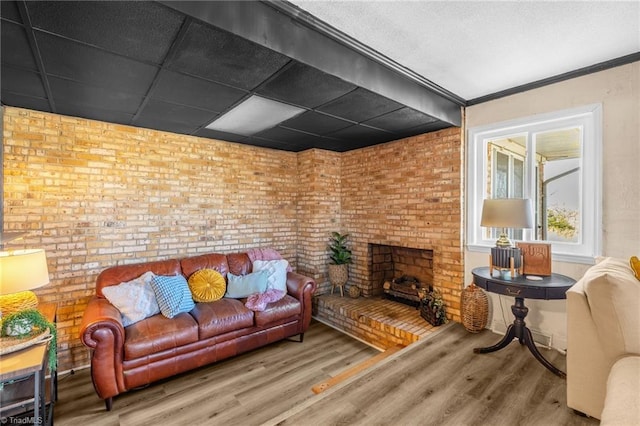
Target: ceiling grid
{"type": "Point", "coordinates": [179, 66]}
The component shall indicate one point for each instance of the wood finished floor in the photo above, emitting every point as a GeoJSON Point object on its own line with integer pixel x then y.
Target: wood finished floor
{"type": "Point", "coordinates": [437, 381]}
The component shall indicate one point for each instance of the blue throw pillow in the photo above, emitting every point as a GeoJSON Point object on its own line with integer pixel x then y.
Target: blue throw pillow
{"type": "Point", "coordinates": [239, 286]}
{"type": "Point", "coordinates": [173, 294]}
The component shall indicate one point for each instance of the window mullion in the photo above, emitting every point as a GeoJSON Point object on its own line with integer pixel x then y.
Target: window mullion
{"type": "Point", "coordinates": [530, 184]}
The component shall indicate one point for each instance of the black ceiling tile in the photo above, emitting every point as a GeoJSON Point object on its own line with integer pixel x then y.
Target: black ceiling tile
{"type": "Point", "coordinates": [142, 30]}
{"type": "Point", "coordinates": [15, 47]}
{"type": "Point", "coordinates": [331, 144]}
{"type": "Point", "coordinates": [313, 122]}
{"type": "Point", "coordinates": [78, 110]}
{"type": "Point", "coordinates": [300, 84]}
{"type": "Point", "coordinates": [425, 128]}
{"type": "Point", "coordinates": [217, 55]}
{"type": "Point", "coordinates": [400, 119]}
{"type": "Point", "coordinates": [21, 101]}
{"type": "Point", "coordinates": [9, 10]}
{"type": "Point", "coordinates": [166, 126]}
{"type": "Point", "coordinates": [23, 82]}
{"type": "Point", "coordinates": [338, 146]}
{"type": "Point", "coordinates": [362, 144]}
{"type": "Point", "coordinates": [267, 143]}
{"type": "Point", "coordinates": [360, 132]}
{"type": "Point", "coordinates": [186, 118]}
{"type": "Point", "coordinates": [88, 65]}
{"type": "Point", "coordinates": [360, 105]}
{"type": "Point", "coordinates": [82, 95]}
{"type": "Point", "coordinates": [222, 136]}
{"type": "Point", "coordinates": [288, 136]}
{"type": "Point", "coordinates": [186, 90]}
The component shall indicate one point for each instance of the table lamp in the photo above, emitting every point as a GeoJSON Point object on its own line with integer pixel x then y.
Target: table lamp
{"type": "Point", "coordinates": [20, 272]}
{"type": "Point", "coordinates": [506, 213]}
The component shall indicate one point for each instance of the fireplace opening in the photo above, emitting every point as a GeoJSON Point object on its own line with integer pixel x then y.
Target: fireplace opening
{"type": "Point", "coordinates": [405, 289]}
{"type": "Point", "coordinates": [399, 272]}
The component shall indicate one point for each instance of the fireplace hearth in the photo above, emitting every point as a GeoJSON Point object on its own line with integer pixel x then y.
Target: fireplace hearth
{"type": "Point", "coordinates": [380, 322]}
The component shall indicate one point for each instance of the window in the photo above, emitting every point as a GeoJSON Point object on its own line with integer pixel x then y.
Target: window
{"type": "Point", "coordinates": [553, 159]}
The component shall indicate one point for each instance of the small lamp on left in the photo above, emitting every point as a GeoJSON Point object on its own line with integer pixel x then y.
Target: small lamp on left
{"type": "Point", "coordinates": [20, 272]}
{"type": "Point", "coordinates": [506, 213]}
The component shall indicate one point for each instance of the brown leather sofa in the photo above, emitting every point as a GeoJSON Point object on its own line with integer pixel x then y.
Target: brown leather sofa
{"type": "Point", "coordinates": [157, 347]}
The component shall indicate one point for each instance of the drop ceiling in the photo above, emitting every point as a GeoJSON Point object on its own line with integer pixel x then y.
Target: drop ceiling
{"type": "Point", "coordinates": [356, 72]}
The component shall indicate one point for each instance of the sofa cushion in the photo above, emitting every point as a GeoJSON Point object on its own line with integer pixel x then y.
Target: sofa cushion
{"type": "Point", "coordinates": [221, 316]}
{"type": "Point", "coordinates": [623, 389]}
{"type": "Point", "coordinates": [239, 263]}
{"type": "Point", "coordinates": [282, 309]}
{"type": "Point", "coordinates": [215, 261]}
{"type": "Point", "coordinates": [207, 285]}
{"type": "Point", "coordinates": [159, 333]}
{"type": "Point", "coordinates": [240, 286]}
{"type": "Point", "coordinates": [134, 299]}
{"type": "Point", "coordinates": [613, 295]}
{"type": "Point", "coordinates": [121, 273]}
{"type": "Point", "coordinates": [173, 294]}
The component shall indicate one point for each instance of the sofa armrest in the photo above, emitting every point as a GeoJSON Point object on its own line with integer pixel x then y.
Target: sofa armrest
{"type": "Point", "coordinates": [102, 331]}
{"type": "Point", "coordinates": [302, 288]}
{"type": "Point", "coordinates": [98, 315]}
{"type": "Point", "coordinates": [298, 285]}
{"type": "Point", "coordinates": [587, 364]}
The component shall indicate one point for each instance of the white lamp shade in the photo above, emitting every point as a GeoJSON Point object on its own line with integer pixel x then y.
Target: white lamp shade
{"type": "Point", "coordinates": [22, 270]}
{"type": "Point", "coordinates": [507, 213]}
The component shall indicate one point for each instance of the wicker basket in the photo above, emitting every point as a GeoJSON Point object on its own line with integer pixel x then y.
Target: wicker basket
{"type": "Point", "coordinates": [13, 344]}
{"type": "Point", "coordinates": [475, 308]}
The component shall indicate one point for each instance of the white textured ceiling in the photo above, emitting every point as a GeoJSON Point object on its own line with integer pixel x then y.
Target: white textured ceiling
{"type": "Point", "coordinates": [477, 48]}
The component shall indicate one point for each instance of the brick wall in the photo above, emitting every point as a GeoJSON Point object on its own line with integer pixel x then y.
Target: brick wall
{"type": "Point", "coordinates": [95, 194]}
{"type": "Point", "coordinates": [407, 193]}
{"type": "Point", "coordinates": [318, 211]}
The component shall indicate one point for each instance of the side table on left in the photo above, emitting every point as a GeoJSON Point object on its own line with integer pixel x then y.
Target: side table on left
{"type": "Point", "coordinates": [23, 380]}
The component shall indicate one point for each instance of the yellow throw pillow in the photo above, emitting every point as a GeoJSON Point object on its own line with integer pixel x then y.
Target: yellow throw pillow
{"type": "Point", "coordinates": [207, 285]}
{"type": "Point", "coordinates": [635, 265]}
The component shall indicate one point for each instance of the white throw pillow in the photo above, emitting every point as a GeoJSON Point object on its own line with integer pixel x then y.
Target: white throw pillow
{"type": "Point", "coordinates": [277, 270]}
{"type": "Point", "coordinates": [134, 299]}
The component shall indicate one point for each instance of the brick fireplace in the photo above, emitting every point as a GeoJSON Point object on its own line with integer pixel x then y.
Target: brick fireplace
{"type": "Point", "coordinates": [403, 197]}
{"type": "Point", "coordinates": [388, 263]}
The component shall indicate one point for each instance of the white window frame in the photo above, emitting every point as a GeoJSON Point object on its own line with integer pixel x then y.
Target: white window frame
{"type": "Point", "coordinates": [589, 118]}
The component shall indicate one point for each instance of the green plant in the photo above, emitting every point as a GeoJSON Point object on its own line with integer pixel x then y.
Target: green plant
{"type": "Point", "coordinates": [562, 221]}
{"type": "Point", "coordinates": [16, 321]}
{"type": "Point", "coordinates": [340, 253]}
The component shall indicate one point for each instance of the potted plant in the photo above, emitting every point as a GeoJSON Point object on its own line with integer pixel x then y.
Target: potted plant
{"type": "Point", "coordinates": [432, 307]}
{"type": "Point", "coordinates": [27, 324]}
{"type": "Point", "coordinates": [340, 259]}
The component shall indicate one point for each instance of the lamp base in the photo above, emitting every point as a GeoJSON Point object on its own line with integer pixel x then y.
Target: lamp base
{"type": "Point", "coordinates": [16, 302]}
{"type": "Point", "coordinates": [506, 259]}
